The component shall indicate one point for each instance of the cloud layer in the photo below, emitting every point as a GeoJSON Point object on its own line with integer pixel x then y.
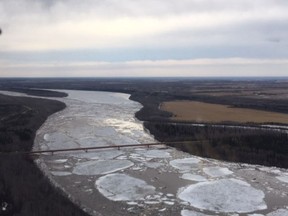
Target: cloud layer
{"type": "Point", "coordinates": [143, 30]}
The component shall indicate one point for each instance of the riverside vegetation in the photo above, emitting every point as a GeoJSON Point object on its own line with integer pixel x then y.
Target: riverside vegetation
{"type": "Point", "coordinates": [24, 190]}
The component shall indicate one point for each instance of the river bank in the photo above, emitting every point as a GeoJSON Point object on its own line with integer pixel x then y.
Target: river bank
{"type": "Point", "coordinates": [24, 189]}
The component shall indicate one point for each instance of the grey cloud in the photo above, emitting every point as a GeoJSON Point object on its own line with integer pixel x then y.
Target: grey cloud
{"type": "Point", "coordinates": [142, 7]}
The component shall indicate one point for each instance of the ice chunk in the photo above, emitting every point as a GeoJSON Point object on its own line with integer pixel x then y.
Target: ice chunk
{"type": "Point", "coordinates": [101, 167]}
{"type": "Point", "coordinates": [60, 173]}
{"type": "Point", "coordinates": [122, 187]}
{"type": "Point", "coordinates": [103, 155]}
{"type": "Point", "coordinates": [279, 212]}
{"type": "Point", "coordinates": [184, 164]}
{"type": "Point", "coordinates": [46, 137]}
{"type": "Point", "coordinates": [283, 178]}
{"type": "Point", "coordinates": [155, 153]}
{"type": "Point", "coordinates": [217, 171]}
{"type": "Point", "coordinates": [58, 161]}
{"type": "Point", "coordinates": [193, 177]}
{"type": "Point", "coordinates": [192, 213]}
{"type": "Point", "coordinates": [169, 202]}
{"type": "Point", "coordinates": [226, 195]}
{"type": "Point", "coordinates": [153, 165]}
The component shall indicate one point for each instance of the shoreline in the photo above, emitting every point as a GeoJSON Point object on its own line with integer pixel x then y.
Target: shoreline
{"type": "Point", "coordinates": [24, 188]}
{"type": "Point", "coordinates": [255, 143]}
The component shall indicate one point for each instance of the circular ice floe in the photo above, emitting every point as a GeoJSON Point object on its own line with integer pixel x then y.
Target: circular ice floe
{"type": "Point", "coordinates": [184, 164]}
{"type": "Point", "coordinates": [101, 167]}
{"type": "Point", "coordinates": [193, 177]}
{"type": "Point", "coordinates": [226, 195]}
{"type": "Point", "coordinates": [217, 171]}
{"type": "Point", "coordinates": [279, 212]}
{"type": "Point", "coordinates": [121, 187]}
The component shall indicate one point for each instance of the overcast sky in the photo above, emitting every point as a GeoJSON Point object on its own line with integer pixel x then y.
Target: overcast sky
{"type": "Point", "coordinates": [61, 38]}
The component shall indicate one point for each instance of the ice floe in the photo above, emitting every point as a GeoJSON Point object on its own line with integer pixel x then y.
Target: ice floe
{"type": "Point", "coordinates": [102, 154]}
{"type": "Point", "coordinates": [279, 212]}
{"type": "Point", "coordinates": [192, 213]}
{"type": "Point", "coordinates": [217, 171]}
{"type": "Point", "coordinates": [185, 164]}
{"type": "Point", "coordinates": [193, 177]}
{"type": "Point", "coordinates": [101, 167]}
{"type": "Point", "coordinates": [154, 153]}
{"type": "Point", "coordinates": [226, 195]}
{"type": "Point", "coordinates": [283, 178]}
{"type": "Point", "coordinates": [153, 165]}
{"type": "Point", "coordinates": [60, 173]}
{"type": "Point", "coordinates": [59, 161]}
{"type": "Point", "coordinates": [122, 187]}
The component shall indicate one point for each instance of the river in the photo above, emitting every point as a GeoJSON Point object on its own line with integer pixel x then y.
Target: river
{"type": "Point", "coordinates": [141, 181]}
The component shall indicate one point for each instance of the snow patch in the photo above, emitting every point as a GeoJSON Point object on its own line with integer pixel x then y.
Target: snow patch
{"type": "Point", "coordinates": [101, 167]}
{"type": "Point", "coordinates": [122, 187]}
{"type": "Point", "coordinates": [217, 171]}
{"type": "Point", "coordinates": [226, 195]}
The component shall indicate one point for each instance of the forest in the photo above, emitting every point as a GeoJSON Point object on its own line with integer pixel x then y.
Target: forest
{"type": "Point", "coordinates": [234, 144]}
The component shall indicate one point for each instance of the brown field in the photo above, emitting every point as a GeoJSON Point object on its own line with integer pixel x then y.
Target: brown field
{"type": "Point", "coordinates": [206, 112]}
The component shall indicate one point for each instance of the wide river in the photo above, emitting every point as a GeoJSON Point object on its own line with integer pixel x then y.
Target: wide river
{"type": "Point", "coordinates": [141, 181]}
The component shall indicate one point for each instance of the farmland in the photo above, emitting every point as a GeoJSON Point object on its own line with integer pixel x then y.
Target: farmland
{"type": "Point", "coordinates": [215, 113]}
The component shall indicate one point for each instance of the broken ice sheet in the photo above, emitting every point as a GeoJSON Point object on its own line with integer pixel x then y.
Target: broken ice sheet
{"type": "Point", "coordinates": [154, 153]}
{"type": "Point", "coordinates": [122, 187]}
{"type": "Point", "coordinates": [283, 178]}
{"type": "Point", "coordinates": [226, 195]}
{"type": "Point", "coordinates": [101, 167]}
{"type": "Point", "coordinates": [185, 164]}
{"type": "Point", "coordinates": [279, 212]}
{"type": "Point", "coordinates": [193, 177]}
{"type": "Point", "coordinates": [102, 154]}
{"type": "Point", "coordinates": [217, 171]}
{"type": "Point", "coordinates": [60, 173]}
{"type": "Point", "coordinates": [192, 213]}
{"type": "Point", "coordinates": [153, 165]}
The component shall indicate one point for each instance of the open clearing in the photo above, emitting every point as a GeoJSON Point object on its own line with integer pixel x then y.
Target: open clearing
{"type": "Point", "coordinates": [206, 112]}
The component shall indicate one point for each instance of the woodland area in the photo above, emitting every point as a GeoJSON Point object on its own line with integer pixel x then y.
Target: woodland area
{"type": "Point", "coordinates": [235, 144]}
